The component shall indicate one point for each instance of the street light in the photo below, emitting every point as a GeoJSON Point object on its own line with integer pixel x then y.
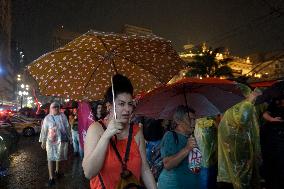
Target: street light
{"type": "Point", "coordinates": [22, 86]}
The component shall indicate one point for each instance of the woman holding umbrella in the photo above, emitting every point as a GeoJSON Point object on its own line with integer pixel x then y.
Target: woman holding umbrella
{"type": "Point", "coordinates": [101, 163]}
{"type": "Point", "coordinates": [175, 148]}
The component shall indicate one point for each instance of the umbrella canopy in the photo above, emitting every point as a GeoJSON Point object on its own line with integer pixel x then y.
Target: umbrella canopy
{"type": "Point", "coordinates": [208, 97]}
{"type": "Point", "coordinates": [274, 91]}
{"type": "Point", "coordinates": [263, 84]}
{"type": "Point", "coordinates": [83, 68]}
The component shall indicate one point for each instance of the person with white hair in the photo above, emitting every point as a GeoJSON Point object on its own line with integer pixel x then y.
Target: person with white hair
{"type": "Point", "coordinates": [176, 146]}
{"type": "Point", "coordinates": [54, 138]}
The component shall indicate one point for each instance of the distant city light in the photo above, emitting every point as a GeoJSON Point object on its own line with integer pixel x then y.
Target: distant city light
{"type": "Point", "coordinates": [1, 69]}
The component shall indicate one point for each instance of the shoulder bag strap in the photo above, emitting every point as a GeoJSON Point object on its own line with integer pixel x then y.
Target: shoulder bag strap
{"type": "Point", "coordinates": [101, 181]}
{"type": "Point", "coordinates": [116, 151]}
{"type": "Point", "coordinates": [129, 140]}
{"type": "Point", "coordinates": [175, 136]}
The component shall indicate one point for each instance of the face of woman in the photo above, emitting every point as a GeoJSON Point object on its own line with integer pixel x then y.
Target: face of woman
{"type": "Point", "coordinates": [124, 107]}
{"type": "Point", "coordinates": [99, 109]}
{"type": "Point", "coordinates": [189, 122]}
{"type": "Point", "coordinates": [54, 109]}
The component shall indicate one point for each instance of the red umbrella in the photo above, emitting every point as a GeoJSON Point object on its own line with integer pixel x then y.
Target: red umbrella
{"type": "Point", "coordinates": [263, 84]}
{"type": "Point", "coordinates": [208, 96]}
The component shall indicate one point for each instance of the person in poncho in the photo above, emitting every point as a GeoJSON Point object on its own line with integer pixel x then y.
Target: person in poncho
{"type": "Point", "coordinates": [238, 145]}
{"type": "Point", "coordinates": [54, 138]}
{"type": "Point", "coordinates": [206, 136]}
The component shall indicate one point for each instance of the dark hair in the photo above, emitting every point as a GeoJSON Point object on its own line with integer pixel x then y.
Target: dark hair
{"type": "Point", "coordinates": [96, 106]}
{"type": "Point", "coordinates": [103, 111]}
{"type": "Point", "coordinates": [121, 84]}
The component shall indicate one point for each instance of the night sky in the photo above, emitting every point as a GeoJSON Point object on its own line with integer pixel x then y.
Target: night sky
{"type": "Point", "coordinates": [244, 26]}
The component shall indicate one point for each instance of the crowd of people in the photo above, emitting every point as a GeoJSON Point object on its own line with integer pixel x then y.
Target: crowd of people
{"type": "Point", "coordinates": [240, 149]}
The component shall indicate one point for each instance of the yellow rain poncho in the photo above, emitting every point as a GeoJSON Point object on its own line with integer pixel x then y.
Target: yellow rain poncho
{"type": "Point", "coordinates": [206, 136]}
{"type": "Point", "coordinates": [239, 147]}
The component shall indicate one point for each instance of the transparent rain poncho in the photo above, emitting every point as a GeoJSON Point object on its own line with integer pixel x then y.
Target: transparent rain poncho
{"type": "Point", "coordinates": [206, 136]}
{"type": "Point", "coordinates": [239, 147]}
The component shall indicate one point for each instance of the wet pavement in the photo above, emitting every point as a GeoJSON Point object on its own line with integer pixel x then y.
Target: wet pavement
{"type": "Point", "coordinates": [28, 169]}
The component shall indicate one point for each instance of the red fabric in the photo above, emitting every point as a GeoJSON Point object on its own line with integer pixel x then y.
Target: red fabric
{"type": "Point", "coordinates": [207, 96]}
{"type": "Point", "coordinates": [85, 119]}
{"type": "Point", "coordinates": [263, 84]}
{"type": "Point", "coordinates": [112, 166]}
{"type": "Point", "coordinates": [192, 81]}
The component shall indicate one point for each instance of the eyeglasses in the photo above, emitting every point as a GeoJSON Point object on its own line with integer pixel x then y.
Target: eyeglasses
{"type": "Point", "coordinates": [55, 107]}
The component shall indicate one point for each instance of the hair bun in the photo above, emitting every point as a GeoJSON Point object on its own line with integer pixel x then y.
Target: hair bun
{"type": "Point", "coordinates": [120, 82]}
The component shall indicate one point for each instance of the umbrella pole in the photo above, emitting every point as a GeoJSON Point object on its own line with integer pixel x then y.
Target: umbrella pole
{"type": "Point", "coordinates": [113, 102]}
{"type": "Point", "coordinates": [187, 107]}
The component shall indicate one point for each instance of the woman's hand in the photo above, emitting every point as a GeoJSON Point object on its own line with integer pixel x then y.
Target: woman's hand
{"type": "Point", "coordinates": [276, 119]}
{"type": "Point", "coordinates": [173, 161]}
{"type": "Point", "coordinates": [43, 145]}
{"type": "Point", "coordinates": [191, 143]}
{"type": "Point", "coordinates": [114, 127]}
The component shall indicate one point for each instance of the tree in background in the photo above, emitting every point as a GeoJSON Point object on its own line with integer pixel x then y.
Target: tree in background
{"type": "Point", "coordinates": [210, 63]}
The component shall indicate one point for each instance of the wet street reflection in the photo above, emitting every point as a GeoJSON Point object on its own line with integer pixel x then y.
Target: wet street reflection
{"type": "Point", "coordinates": [28, 169]}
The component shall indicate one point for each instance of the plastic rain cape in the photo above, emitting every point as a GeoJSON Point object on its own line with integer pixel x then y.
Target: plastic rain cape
{"type": "Point", "coordinates": [239, 147]}
{"type": "Point", "coordinates": [206, 136]}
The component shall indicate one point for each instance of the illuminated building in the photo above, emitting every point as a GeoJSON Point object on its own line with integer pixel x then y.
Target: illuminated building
{"type": "Point", "coordinates": [268, 66]}
{"type": "Point", "coordinates": [6, 69]}
{"type": "Point", "coordinates": [240, 66]}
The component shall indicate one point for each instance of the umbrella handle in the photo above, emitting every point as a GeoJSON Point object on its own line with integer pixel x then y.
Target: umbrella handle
{"type": "Point", "coordinates": [113, 102]}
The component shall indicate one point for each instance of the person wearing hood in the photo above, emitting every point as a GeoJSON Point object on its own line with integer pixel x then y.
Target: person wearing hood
{"type": "Point", "coordinates": [54, 138]}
